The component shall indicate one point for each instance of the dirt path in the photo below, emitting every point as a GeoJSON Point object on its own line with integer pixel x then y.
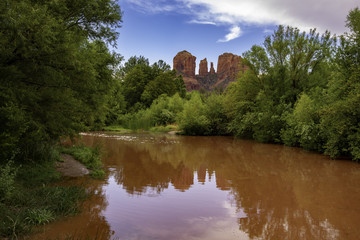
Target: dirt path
{"type": "Point", "coordinates": [70, 167]}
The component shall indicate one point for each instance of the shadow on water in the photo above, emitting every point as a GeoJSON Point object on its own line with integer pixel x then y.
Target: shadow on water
{"type": "Point", "coordinates": [177, 187]}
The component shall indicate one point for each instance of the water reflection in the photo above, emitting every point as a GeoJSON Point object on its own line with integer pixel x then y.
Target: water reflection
{"type": "Point", "coordinates": [173, 187]}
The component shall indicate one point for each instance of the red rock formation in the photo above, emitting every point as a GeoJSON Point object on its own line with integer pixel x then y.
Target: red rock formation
{"type": "Point", "coordinates": [203, 67]}
{"type": "Point", "coordinates": [228, 63]}
{"type": "Point", "coordinates": [184, 63]}
{"type": "Point", "coordinates": [212, 69]}
{"type": "Point", "coordinates": [191, 83]}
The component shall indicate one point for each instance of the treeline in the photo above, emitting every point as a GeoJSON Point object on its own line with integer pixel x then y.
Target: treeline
{"type": "Point", "coordinates": [302, 89]}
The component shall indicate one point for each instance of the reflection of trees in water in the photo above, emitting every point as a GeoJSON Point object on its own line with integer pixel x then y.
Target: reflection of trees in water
{"type": "Point", "coordinates": [286, 193]}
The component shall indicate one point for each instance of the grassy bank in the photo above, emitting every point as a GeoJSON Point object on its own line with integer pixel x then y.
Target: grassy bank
{"type": "Point", "coordinates": [90, 157]}
{"type": "Point", "coordinates": [116, 128]}
{"type": "Point", "coordinates": [160, 128]}
{"type": "Point", "coordinates": [29, 197]}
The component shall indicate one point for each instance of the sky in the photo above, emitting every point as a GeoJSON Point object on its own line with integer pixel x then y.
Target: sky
{"type": "Point", "coordinates": [159, 29]}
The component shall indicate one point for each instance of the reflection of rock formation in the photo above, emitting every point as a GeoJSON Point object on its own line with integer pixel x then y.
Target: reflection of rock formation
{"type": "Point", "coordinates": [221, 182]}
{"type": "Point", "coordinates": [229, 65]}
{"type": "Point", "coordinates": [183, 180]}
{"type": "Point", "coordinates": [285, 193]}
{"type": "Point", "coordinates": [201, 174]}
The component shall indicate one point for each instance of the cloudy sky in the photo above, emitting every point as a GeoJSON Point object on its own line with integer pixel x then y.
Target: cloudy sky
{"type": "Point", "coordinates": [158, 29]}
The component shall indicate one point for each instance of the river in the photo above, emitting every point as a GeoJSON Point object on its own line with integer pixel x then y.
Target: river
{"type": "Point", "coordinates": [162, 186]}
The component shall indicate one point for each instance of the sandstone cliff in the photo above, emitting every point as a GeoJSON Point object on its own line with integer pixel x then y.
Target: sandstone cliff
{"type": "Point", "coordinates": [212, 69]}
{"type": "Point", "coordinates": [229, 65]}
{"type": "Point", "coordinates": [203, 67]}
{"type": "Point", "coordinates": [184, 63]}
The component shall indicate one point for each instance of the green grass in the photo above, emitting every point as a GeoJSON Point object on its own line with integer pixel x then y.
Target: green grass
{"type": "Point", "coordinates": [33, 199]}
{"type": "Point", "coordinates": [116, 128]}
{"type": "Point", "coordinates": [167, 128]}
{"type": "Point", "coordinates": [90, 157]}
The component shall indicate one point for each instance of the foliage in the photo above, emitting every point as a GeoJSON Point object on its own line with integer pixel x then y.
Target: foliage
{"type": "Point", "coordinates": [90, 157]}
{"type": "Point", "coordinates": [192, 120]}
{"type": "Point", "coordinates": [167, 128]}
{"type": "Point", "coordinates": [55, 70]}
{"type": "Point", "coordinates": [33, 201]}
{"type": "Point", "coordinates": [303, 126]}
{"type": "Point", "coordinates": [216, 115]}
{"type": "Point", "coordinates": [164, 83]}
{"type": "Point", "coordinates": [7, 180]}
{"type": "Point", "coordinates": [340, 118]}
{"type": "Point", "coordinates": [40, 216]}
{"type": "Point", "coordinates": [142, 83]}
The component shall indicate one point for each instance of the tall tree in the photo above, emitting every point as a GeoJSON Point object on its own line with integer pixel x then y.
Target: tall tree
{"type": "Point", "coordinates": [341, 116]}
{"type": "Point", "coordinates": [55, 69]}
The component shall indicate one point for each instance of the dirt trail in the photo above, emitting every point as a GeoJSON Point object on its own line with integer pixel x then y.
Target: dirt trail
{"type": "Point", "coordinates": [70, 167]}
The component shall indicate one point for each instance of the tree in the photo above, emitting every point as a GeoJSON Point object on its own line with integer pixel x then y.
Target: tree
{"type": "Point", "coordinates": [142, 83]}
{"type": "Point", "coordinates": [55, 68]}
{"type": "Point", "coordinates": [192, 120]}
{"type": "Point", "coordinates": [340, 118]}
{"type": "Point", "coordinates": [288, 64]}
{"type": "Point", "coordinates": [165, 83]}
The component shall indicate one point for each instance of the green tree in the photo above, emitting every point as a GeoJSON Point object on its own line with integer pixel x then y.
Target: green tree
{"type": "Point", "coordinates": [340, 118]}
{"type": "Point", "coordinates": [165, 83]}
{"type": "Point", "coordinates": [132, 62]}
{"type": "Point", "coordinates": [215, 113]}
{"type": "Point", "coordinates": [142, 83]}
{"type": "Point", "coordinates": [192, 120]}
{"type": "Point", "coordinates": [288, 64]}
{"type": "Point", "coordinates": [55, 69]}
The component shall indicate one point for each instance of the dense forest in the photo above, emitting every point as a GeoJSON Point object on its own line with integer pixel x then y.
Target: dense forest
{"type": "Point", "coordinates": [58, 77]}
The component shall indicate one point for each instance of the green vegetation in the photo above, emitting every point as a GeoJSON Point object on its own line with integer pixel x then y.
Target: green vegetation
{"type": "Point", "coordinates": [56, 71]}
{"type": "Point", "coordinates": [115, 128]}
{"type": "Point", "coordinates": [167, 128]}
{"type": "Point", "coordinates": [29, 198]}
{"type": "Point", "coordinates": [90, 157]}
{"type": "Point", "coordinates": [301, 89]}
{"type": "Point", "coordinates": [57, 77]}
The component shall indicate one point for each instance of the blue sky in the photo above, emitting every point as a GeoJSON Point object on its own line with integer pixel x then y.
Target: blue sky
{"type": "Point", "coordinates": [158, 29]}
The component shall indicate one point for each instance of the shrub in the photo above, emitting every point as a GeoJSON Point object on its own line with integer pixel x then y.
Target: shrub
{"type": "Point", "coordinates": [192, 120]}
{"type": "Point", "coordinates": [7, 180]}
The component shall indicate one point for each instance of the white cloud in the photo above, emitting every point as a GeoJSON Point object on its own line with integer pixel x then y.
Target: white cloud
{"type": "Point", "coordinates": [235, 32]}
{"type": "Point", "coordinates": [305, 14]}
{"type": "Point", "coordinates": [202, 22]}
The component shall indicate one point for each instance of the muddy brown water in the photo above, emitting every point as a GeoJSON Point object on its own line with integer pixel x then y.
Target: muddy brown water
{"type": "Point", "coordinates": [175, 187]}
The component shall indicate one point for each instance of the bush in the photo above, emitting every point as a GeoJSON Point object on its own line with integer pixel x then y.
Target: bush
{"type": "Point", "coordinates": [7, 180]}
{"type": "Point", "coordinates": [215, 113]}
{"type": "Point", "coordinates": [90, 157]}
{"type": "Point", "coordinates": [192, 120]}
{"type": "Point", "coordinates": [302, 126]}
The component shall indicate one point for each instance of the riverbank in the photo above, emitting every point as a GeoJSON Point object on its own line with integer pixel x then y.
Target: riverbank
{"type": "Point", "coordinates": [31, 196]}
{"type": "Point", "coordinates": [171, 128]}
{"type": "Point", "coordinates": [31, 193]}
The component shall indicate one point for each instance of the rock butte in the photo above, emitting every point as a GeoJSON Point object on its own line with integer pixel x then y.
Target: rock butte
{"type": "Point", "coordinates": [229, 65]}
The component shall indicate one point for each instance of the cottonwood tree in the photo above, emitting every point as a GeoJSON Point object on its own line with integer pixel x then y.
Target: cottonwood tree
{"type": "Point", "coordinates": [55, 70]}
